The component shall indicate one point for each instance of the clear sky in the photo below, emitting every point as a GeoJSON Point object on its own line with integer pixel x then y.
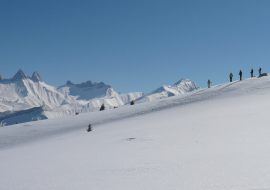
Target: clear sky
{"type": "Point", "coordinates": [134, 45]}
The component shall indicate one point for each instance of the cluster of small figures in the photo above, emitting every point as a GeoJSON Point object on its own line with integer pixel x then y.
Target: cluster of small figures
{"type": "Point", "coordinates": [240, 73]}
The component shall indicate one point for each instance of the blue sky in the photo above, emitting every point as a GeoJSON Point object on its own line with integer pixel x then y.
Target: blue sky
{"type": "Point", "coordinates": [134, 45]}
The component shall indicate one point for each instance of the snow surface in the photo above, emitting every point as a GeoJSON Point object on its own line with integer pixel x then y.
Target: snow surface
{"type": "Point", "coordinates": [215, 138]}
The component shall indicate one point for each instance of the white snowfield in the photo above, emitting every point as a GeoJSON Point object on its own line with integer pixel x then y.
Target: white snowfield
{"type": "Point", "coordinates": [217, 138]}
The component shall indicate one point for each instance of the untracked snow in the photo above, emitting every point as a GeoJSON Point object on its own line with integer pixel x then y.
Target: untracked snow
{"type": "Point", "coordinates": [215, 138]}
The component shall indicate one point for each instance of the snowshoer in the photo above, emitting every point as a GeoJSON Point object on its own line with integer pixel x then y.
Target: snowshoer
{"type": "Point", "coordinates": [260, 71]}
{"type": "Point", "coordinates": [89, 128]}
{"type": "Point", "coordinates": [231, 76]}
{"type": "Point", "coordinates": [251, 72]}
{"type": "Point", "coordinates": [240, 73]}
{"type": "Point", "coordinates": [209, 82]}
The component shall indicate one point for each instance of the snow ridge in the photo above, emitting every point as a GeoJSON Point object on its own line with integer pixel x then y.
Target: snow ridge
{"type": "Point", "coordinates": [181, 87]}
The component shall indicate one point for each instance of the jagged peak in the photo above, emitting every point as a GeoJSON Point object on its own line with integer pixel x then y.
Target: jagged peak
{"type": "Point", "coordinates": [69, 83]}
{"type": "Point", "coordinates": [20, 75]}
{"type": "Point", "coordinates": [183, 80]}
{"type": "Point", "coordinates": [185, 85]}
{"type": "Point", "coordinates": [35, 77]}
{"type": "Point", "coordinates": [102, 84]}
{"type": "Point", "coordinates": [88, 84]}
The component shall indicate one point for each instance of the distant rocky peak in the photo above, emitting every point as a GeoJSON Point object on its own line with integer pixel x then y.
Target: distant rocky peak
{"type": "Point", "coordinates": [19, 76]}
{"type": "Point", "coordinates": [35, 77]}
{"type": "Point", "coordinates": [88, 84]}
{"type": "Point", "coordinates": [69, 83]}
{"type": "Point", "coordinates": [182, 81]}
{"type": "Point", "coordinates": [185, 85]}
{"type": "Point", "coordinates": [102, 84]}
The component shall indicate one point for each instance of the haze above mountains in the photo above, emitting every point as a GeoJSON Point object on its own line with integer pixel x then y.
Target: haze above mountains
{"type": "Point", "coordinates": [24, 98]}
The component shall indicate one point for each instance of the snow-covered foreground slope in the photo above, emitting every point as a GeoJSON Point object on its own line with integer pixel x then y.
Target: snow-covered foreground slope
{"type": "Point", "coordinates": [215, 138]}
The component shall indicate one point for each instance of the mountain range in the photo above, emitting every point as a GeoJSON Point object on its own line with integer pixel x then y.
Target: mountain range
{"type": "Point", "coordinates": [24, 98]}
{"type": "Point", "coordinates": [211, 139]}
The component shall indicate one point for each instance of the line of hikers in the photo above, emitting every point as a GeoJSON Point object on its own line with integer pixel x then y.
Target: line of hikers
{"type": "Point", "coordinates": [240, 73]}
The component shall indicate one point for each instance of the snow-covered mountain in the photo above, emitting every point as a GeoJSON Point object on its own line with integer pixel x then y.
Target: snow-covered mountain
{"type": "Point", "coordinates": [88, 90]}
{"type": "Point", "coordinates": [211, 139]}
{"type": "Point", "coordinates": [22, 92]}
{"type": "Point", "coordinates": [24, 98]}
{"type": "Point", "coordinates": [180, 87]}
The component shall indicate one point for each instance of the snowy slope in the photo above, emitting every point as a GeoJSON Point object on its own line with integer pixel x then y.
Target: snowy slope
{"type": "Point", "coordinates": [180, 87]}
{"type": "Point", "coordinates": [215, 138]}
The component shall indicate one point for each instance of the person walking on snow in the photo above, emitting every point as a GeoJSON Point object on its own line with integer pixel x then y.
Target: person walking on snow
{"type": "Point", "coordinates": [240, 73]}
{"type": "Point", "coordinates": [260, 71]}
{"type": "Point", "coordinates": [231, 76]}
{"type": "Point", "coordinates": [89, 128]}
{"type": "Point", "coordinates": [209, 82]}
{"type": "Point", "coordinates": [251, 73]}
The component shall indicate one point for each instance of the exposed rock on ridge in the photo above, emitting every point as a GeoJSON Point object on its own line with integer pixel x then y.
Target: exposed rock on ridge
{"type": "Point", "coordinates": [35, 77]}
{"type": "Point", "coordinates": [88, 84]}
{"type": "Point", "coordinates": [20, 75]}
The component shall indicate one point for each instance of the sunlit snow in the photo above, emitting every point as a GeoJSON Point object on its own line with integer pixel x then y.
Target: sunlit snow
{"type": "Point", "coordinates": [215, 138]}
